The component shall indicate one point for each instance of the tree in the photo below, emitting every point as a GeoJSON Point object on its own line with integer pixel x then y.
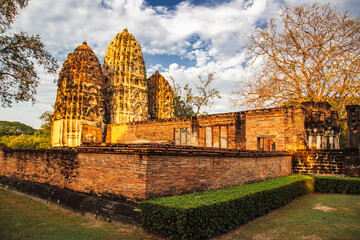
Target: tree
{"type": "Point", "coordinates": [182, 108]}
{"type": "Point", "coordinates": [46, 118]}
{"type": "Point", "coordinates": [19, 53]}
{"type": "Point", "coordinates": [19, 135]}
{"type": "Point", "coordinates": [15, 128]}
{"type": "Point", "coordinates": [310, 53]}
{"type": "Point", "coordinates": [204, 95]}
{"type": "Point", "coordinates": [185, 104]}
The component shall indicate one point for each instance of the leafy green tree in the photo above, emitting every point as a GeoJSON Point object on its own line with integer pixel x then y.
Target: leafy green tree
{"type": "Point", "coordinates": [20, 53]}
{"type": "Point", "coordinates": [15, 128]}
{"type": "Point", "coordinates": [45, 128]}
{"type": "Point", "coordinates": [19, 135]}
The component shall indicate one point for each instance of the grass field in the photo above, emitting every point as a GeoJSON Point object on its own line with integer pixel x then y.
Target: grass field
{"type": "Point", "coordinates": [315, 216]}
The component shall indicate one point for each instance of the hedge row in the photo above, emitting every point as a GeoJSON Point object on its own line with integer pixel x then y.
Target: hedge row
{"type": "Point", "coordinates": [345, 185]}
{"type": "Point", "coordinates": [205, 214]}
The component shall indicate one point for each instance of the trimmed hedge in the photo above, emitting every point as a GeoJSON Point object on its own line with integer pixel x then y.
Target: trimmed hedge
{"type": "Point", "coordinates": [345, 185]}
{"type": "Point", "coordinates": [205, 214]}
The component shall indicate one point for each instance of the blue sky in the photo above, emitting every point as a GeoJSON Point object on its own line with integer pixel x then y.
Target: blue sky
{"type": "Point", "coordinates": [182, 39]}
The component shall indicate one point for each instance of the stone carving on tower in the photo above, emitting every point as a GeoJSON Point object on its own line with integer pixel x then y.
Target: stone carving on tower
{"type": "Point", "coordinates": [79, 110]}
{"type": "Point", "coordinates": [161, 97]}
{"type": "Point", "coordinates": [125, 88]}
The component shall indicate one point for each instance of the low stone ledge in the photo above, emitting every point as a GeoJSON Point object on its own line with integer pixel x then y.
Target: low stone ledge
{"type": "Point", "coordinates": [172, 150]}
{"type": "Point", "coordinates": [150, 149]}
{"type": "Point", "coordinates": [101, 208]}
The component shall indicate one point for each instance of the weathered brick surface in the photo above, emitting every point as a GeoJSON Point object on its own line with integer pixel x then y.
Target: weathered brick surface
{"type": "Point", "coordinates": [54, 167]}
{"type": "Point", "coordinates": [136, 172]}
{"type": "Point", "coordinates": [171, 175]}
{"type": "Point", "coordinates": [162, 131]}
{"type": "Point", "coordinates": [330, 162]}
{"type": "Point", "coordinates": [353, 121]}
{"type": "Point", "coordinates": [318, 162]}
{"type": "Point", "coordinates": [285, 124]}
{"type": "Point", "coordinates": [111, 174]}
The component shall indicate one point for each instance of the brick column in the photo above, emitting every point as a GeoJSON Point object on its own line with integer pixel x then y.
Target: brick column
{"type": "Point", "coordinates": [353, 120]}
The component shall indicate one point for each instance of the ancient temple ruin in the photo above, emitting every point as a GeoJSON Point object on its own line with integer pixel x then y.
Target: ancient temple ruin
{"type": "Point", "coordinates": [79, 107]}
{"type": "Point", "coordinates": [125, 88]}
{"type": "Point", "coordinates": [90, 97]}
{"type": "Point", "coordinates": [161, 97]}
{"type": "Point", "coordinates": [117, 103]}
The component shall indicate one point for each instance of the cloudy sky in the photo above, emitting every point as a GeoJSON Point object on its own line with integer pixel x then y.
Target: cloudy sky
{"type": "Point", "coordinates": [182, 39]}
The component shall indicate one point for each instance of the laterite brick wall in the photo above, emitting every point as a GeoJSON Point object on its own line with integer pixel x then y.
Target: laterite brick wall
{"type": "Point", "coordinates": [111, 175]}
{"type": "Point", "coordinates": [142, 171]}
{"type": "Point", "coordinates": [163, 131]}
{"type": "Point", "coordinates": [286, 125]}
{"type": "Point", "coordinates": [318, 162]}
{"type": "Point", "coordinates": [172, 175]}
{"type": "Point", "coordinates": [239, 130]}
{"type": "Point", "coordinates": [330, 162]}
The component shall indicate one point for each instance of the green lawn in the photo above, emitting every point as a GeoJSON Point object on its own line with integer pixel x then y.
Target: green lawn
{"type": "Point", "coordinates": [22, 217]}
{"type": "Point", "coordinates": [315, 216]}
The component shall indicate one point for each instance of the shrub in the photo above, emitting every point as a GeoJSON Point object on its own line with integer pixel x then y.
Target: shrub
{"type": "Point", "coordinates": [26, 141]}
{"type": "Point", "coordinates": [204, 214]}
{"type": "Point", "coordinates": [330, 184]}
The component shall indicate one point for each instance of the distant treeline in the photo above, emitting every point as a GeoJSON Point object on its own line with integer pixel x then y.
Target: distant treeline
{"type": "Point", "coordinates": [20, 135]}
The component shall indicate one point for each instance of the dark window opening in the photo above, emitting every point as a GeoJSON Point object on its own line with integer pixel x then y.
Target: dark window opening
{"type": "Point", "coordinates": [266, 143]}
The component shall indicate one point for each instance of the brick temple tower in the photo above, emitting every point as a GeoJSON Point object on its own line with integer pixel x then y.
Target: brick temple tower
{"type": "Point", "coordinates": [78, 114]}
{"type": "Point", "coordinates": [161, 97]}
{"type": "Point", "coordinates": [353, 121]}
{"type": "Point", "coordinates": [125, 88]}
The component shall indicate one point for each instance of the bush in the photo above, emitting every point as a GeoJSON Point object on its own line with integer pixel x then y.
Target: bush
{"type": "Point", "coordinates": [330, 184]}
{"type": "Point", "coordinates": [204, 214]}
{"type": "Point", "coordinates": [35, 141]}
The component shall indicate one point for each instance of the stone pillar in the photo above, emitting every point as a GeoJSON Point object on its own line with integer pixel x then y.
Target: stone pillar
{"type": "Point", "coordinates": [353, 121]}
{"type": "Point", "coordinates": [194, 137]}
{"type": "Point", "coordinates": [310, 140]}
{"type": "Point", "coordinates": [337, 141]}
{"type": "Point", "coordinates": [177, 137]}
{"type": "Point", "coordinates": [183, 136]}
{"type": "Point", "coordinates": [319, 141]}
{"type": "Point", "coordinates": [188, 136]}
{"type": "Point", "coordinates": [223, 136]}
{"type": "Point", "coordinates": [208, 137]}
{"type": "Point", "coordinates": [332, 141]}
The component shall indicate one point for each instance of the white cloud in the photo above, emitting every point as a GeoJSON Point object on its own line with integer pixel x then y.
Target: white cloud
{"type": "Point", "coordinates": [212, 36]}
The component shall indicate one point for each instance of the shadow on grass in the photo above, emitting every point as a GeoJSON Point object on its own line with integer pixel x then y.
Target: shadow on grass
{"type": "Point", "coordinates": [314, 216]}
{"type": "Point", "coordinates": [22, 217]}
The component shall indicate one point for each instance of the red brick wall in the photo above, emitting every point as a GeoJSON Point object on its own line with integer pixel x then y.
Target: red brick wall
{"type": "Point", "coordinates": [88, 172]}
{"type": "Point", "coordinates": [286, 124]}
{"type": "Point", "coordinates": [111, 174]}
{"type": "Point", "coordinates": [162, 131]}
{"type": "Point", "coordinates": [140, 172]}
{"type": "Point", "coordinates": [155, 131]}
{"type": "Point", "coordinates": [171, 175]}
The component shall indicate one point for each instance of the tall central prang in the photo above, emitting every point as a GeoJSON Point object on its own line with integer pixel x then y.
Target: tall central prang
{"type": "Point", "coordinates": [125, 87]}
